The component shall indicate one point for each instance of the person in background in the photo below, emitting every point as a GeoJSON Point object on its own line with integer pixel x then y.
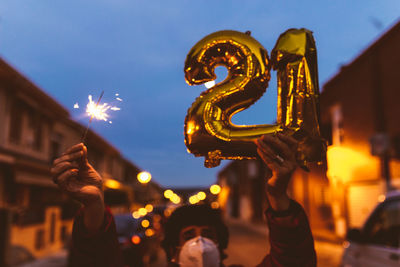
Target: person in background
{"type": "Point", "coordinates": [194, 235]}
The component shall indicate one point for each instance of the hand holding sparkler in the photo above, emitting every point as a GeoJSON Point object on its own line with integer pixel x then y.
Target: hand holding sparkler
{"type": "Point", "coordinates": [75, 176]}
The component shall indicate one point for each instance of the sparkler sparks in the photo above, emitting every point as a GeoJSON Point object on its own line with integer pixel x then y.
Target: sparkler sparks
{"type": "Point", "coordinates": [97, 111]}
{"type": "Point", "coordinates": [76, 105]}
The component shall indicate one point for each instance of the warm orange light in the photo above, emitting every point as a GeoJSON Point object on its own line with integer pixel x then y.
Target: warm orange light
{"type": "Point", "coordinates": [142, 211]}
{"type": "Point", "coordinates": [156, 218]}
{"type": "Point", "coordinates": [156, 225]}
{"type": "Point", "coordinates": [168, 193]}
{"type": "Point", "coordinates": [149, 232]}
{"type": "Point", "coordinates": [223, 196]}
{"type": "Point", "coordinates": [215, 205]}
{"type": "Point", "coordinates": [167, 213]}
{"type": "Point", "coordinates": [191, 126]}
{"type": "Point", "coordinates": [149, 207]}
{"type": "Point", "coordinates": [145, 223]}
{"type": "Point", "coordinates": [344, 162]}
{"type": "Point", "coordinates": [136, 215]}
{"type": "Point", "coordinates": [135, 239]}
{"type": "Point", "coordinates": [144, 177]}
{"type": "Point", "coordinates": [113, 184]}
{"type": "Point", "coordinates": [193, 199]}
{"type": "Point", "coordinates": [175, 199]}
{"type": "Point", "coordinates": [215, 189]}
{"type": "Point", "coordinates": [201, 195]}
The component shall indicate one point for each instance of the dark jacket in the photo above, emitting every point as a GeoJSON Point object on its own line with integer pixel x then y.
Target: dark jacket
{"type": "Point", "coordinates": [290, 238]}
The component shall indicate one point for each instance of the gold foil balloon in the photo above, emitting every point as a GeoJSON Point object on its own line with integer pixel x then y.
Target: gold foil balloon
{"type": "Point", "coordinates": [208, 128]}
{"type": "Point", "coordinates": [295, 59]}
{"type": "Point", "coordinates": [209, 131]}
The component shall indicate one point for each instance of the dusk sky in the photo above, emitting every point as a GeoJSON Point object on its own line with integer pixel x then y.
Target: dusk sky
{"type": "Point", "coordinates": [73, 48]}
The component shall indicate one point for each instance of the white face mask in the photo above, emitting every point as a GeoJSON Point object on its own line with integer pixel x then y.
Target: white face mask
{"type": "Point", "coordinates": [199, 252]}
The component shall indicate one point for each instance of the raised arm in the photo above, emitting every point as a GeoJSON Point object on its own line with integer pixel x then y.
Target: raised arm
{"type": "Point", "coordinates": [94, 237]}
{"type": "Point", "coordinates": [290, 236]}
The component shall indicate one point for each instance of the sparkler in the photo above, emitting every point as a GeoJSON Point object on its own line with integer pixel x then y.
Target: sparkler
{"type": "Point", "coordinates": [97, 111]}
{"type": "Point", "coordinates": [94, 112]}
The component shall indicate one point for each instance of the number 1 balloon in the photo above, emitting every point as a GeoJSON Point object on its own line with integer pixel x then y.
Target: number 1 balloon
{"type": "Point", "coordinates": [208, 129]}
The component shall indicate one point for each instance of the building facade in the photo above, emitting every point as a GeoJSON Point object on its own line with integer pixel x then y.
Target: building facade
{"type": "Point", "coordinates": [36, 218]}
{"type": "Point", "coordinates": [360, 111]}
{"type": "Point", "coordinates": [243, 190]}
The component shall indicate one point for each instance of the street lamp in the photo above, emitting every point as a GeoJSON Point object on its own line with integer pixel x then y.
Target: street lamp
{"type": "Point", "coordinates": [113, 184]}
{"type": "Point", "coordinates": [193, 199]}
{"type": "Point", "coordinates": [215, 189]}
{"type": "Point", "coordinates": [175, 199]}
{"type": "Point", "coordinates": [168, 193]}
{"type": "Point", "coordinates": [149, 207]}
{"type": "Point", "coordinates": [201, 195]}
{"type": "Point", "coordinates": [144, 177]}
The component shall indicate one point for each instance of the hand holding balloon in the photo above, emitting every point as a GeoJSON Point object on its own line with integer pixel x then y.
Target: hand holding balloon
{"type": "Point", "coordinates": [279, 154]}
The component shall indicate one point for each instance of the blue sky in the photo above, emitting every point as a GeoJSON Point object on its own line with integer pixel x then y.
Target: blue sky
{"type": "Point", "coordinates": [137, 49]}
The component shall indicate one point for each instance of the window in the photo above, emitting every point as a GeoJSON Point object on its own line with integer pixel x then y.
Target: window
{"type": "Point", "coordinates": [15, 122]}
{"type": "Point", "coordinates": [52, 227]}
{"type": "Point", "coordinates": [326, 131]}
{"type": "Point", "coordinates": [37, 133]}
{"type": "Point", "coordinates": [252, 168]}
{"type": "Point", "coordinates": [35, 129]}
{"type": "Point", "coordinates": [63, 233]}
{"type": "Point", "coordinates": [383, 228]}
{"type": "Point", "coordinates": [110, 165]}
{"type": "Point", "coordinates": [55, 146]}
{"type": "Point", "coordinates": [337, 125]}
{"type": "Point", "coordinates": [39, 239]}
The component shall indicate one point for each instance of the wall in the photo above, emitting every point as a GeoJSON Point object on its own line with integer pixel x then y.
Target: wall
{"type": "Point", "coordinates": [28, 236]}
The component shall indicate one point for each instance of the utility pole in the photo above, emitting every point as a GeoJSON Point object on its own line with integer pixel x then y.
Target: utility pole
{"type": "Point", "coordinates": [380, 120]}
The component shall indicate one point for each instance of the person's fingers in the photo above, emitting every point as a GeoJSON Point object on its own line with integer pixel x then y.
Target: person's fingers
{"type": "Point", "coordinates": [268, 160]}
{"type": "Point", "coordinates": [289, 140]}
{"type": "Point", "coordinates": [280, 148]}
{"type": "Point", "coordinates": [74, 148]}
{"type": "Point", "coordinates": [264, 148]}
{"type": "Point", "coordinates": [65, 177]}
{"type": "Point", "coordinates": [68, 157]}
{"type": "Point", "coordinates": [61, 167]}
{"type": "Point", "coordinates": [84, 159]}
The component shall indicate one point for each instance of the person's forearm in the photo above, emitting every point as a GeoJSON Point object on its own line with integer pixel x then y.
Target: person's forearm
{"type": "Point", "coordinates": [277, 195]}
{"type": "Point", "coordinates": [93, 214]}
{"type": "Point", "coordinates": [278, 202]}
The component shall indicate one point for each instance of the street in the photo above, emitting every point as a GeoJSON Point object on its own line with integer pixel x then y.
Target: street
{"type": "Point", "coordinates": [247, 246]}
{"type": "Point", "coordinates": [58, 259]}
